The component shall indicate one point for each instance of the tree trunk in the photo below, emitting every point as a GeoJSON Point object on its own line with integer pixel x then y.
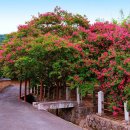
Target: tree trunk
{"type": "Point", "coordinates": [41, 90]}
{"type": "Point", "coordinates": [64, 90]}
{"type": "Point", "coordinates": [57, 91]}
{"type": "Point", "coordinates": [25, 91]}
{"type": "Point", "coordinates": [33, 90]}
{"type": "Point", "coordinates": [29, 86]}
{"type": "Point", "coordinates": [94, 98]}
{"type": "Point", "coordinates": [20, 89]}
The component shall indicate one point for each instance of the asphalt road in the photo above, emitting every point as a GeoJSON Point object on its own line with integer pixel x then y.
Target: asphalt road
{"type": "Point", "coordinates": [18, 115]}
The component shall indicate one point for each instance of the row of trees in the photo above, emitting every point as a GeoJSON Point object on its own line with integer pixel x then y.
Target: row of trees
{"type": "Point", "coordinates": [60, 49]}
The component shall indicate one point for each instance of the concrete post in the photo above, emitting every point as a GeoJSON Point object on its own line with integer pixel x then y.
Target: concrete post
{"type": "Point", "coordinates": [78, 95]}
{"type": "Point", "coordinates": [67, 93]}
{"type": "Point", "coordinates": [126, 113]}
{"type": "Point", "coordinates": [31, 90]}
{"type": "Point", "coordinates": [100, 103]}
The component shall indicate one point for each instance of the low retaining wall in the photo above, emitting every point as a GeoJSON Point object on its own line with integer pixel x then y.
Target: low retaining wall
{"type": "Point", "coordinates": [54, 105]}
{"type": "Point", "coordinates": [95, 122]}
{"type": "Point", "coordinates": [4, 83]}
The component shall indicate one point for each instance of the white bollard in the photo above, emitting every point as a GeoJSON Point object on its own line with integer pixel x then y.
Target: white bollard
{"type": "Point", "coordinates": [78, 96]}
{"type": "Point", "coordinates": [126, 113]}
{"type": "Point", "coordinates": [31, 90]}
{"type": "Point", "coordinates": [100, 103]}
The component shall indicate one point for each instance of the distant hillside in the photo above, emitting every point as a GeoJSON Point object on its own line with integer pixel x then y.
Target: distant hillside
{"type": "Point", "coordinates": [2, 37]}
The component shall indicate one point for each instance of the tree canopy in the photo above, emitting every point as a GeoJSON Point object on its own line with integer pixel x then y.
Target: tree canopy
{"type": "Point", "coordinates": [63, 49]}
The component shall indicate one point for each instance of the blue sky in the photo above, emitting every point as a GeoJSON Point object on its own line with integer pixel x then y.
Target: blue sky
{"type": "Point", "coordinates": [15, 12]}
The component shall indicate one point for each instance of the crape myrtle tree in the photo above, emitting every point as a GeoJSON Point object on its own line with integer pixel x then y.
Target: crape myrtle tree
{"type": "Point", "coordinates": [47, 49]}
{"type": "Point", "coordinates": [108, 55]}
{"type": "Point", "coordinates": [108, 48]}
{"type": "Point", "coordinates": [113, 63]}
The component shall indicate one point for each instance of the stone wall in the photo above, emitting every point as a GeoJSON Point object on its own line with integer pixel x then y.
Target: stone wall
{"type": "Point", "coordinates": [85, 118]}
{"type": "Point", "coordinates": [95, 122]}
{"type": "Point", "coordinates": [76, 114]}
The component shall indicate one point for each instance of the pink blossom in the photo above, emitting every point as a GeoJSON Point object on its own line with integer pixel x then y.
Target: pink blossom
{"type": "Point", "coordinates": [8, 56]}
{"type": "Point", "coordinates": [21, 27]}
{"type": "Point", "coordinates": [115, 113]}
{"type": "Point", "coordinates": [75, 33]}
{"type": "Point", "coordinates": [127, 61]}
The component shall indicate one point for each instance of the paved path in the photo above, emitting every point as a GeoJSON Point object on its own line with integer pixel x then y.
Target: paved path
{"type": "Point", "coordinates": [18, 115]}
